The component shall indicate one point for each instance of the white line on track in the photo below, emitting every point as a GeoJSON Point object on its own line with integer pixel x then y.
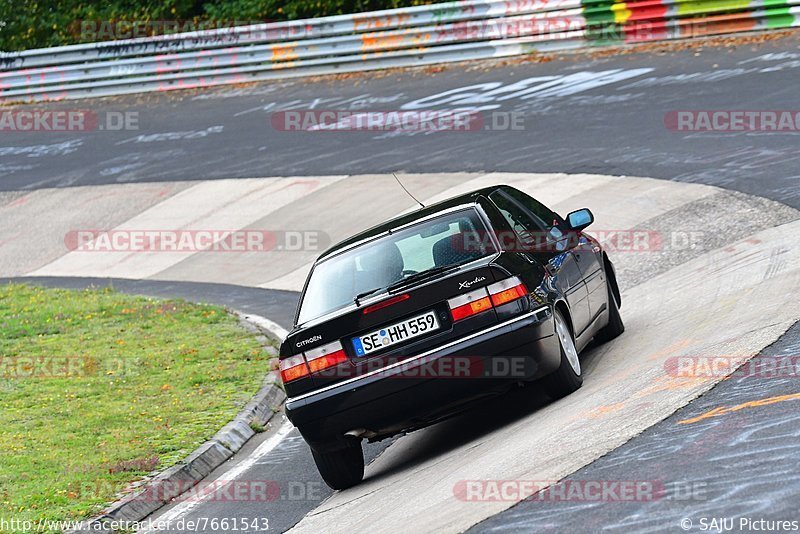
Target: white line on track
{"type": "Point", "coordinates": [262, 450]}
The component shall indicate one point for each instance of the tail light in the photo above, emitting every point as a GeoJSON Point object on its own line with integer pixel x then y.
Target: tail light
{"type": "Point", "coordinates": [293, 368]}
{"type": "Point", "coordinates": [313, 361]}
{"type": "Point", "coordinates": [507, 290]}
{"type": "Point", "coordinates": [469, 304]}
{"type": "Point", "coordinates": [325, 356]}
{"type": "Point", "coordinates": [485, 298]}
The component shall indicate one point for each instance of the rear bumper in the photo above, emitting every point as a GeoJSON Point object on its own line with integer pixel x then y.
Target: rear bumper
{"type": "Point", "coordinates": [432, 386]}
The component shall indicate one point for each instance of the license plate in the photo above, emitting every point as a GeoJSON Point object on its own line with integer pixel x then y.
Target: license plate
{"type": "Point", "coordinates": [396, 333]}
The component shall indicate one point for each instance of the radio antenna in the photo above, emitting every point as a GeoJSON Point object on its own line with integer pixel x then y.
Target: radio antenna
{"type": "Point", "coordinates": [407, 191]}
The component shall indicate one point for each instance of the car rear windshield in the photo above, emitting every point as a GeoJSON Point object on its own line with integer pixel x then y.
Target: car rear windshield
{"type": "Point", "coordinates": [452, 239]}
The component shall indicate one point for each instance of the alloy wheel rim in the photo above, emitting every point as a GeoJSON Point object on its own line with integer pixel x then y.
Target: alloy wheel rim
{"type": "Point", "coordinates": [565, 338]}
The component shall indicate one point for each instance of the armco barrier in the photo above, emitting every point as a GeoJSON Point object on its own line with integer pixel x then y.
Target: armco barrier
{"type": "Point", "coordinates": [420, 35]}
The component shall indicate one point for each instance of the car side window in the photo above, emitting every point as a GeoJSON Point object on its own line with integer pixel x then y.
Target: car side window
{"type": "Point", "coordinates": [525, 227]}
{"type": "Point", "coordinates": [544, 215]}
{"type": "Point", "coordinates": [533, 229]}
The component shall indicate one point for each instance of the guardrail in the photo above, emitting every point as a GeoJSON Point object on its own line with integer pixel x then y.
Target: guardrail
{"type": "Point", "coordinates": [420, 35]}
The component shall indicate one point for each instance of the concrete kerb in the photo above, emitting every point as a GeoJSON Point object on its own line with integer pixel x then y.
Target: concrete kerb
{"type": "Point", "coordinates": [149, 495]}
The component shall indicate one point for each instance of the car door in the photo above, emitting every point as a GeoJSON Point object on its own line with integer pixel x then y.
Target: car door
{"type": "Point", "coordinates": [552, 248]}
{"type": "Point", "coordinates": [587, 255]}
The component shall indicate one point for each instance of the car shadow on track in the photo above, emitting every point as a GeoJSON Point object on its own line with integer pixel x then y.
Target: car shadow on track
{"type": "Point", "coordinates": [480, 420]}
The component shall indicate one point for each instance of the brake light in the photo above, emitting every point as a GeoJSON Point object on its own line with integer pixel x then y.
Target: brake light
{"type": "Point", "coordinates": [386, 303]}
{"type": "Point", "coordinates": [484, 299]}
{"type": "Point", "coordinates": [325, 356]}
{"type": "Point", "coordinates": [312, 361]}
{"type": "Point", "coordinates": [293, 368]}
{"type": "Point", "coordinates": [469, 304]}
{"type": "Point", "coordinates": [507, 290]}
{"type": "Point", "coordinates": [473, 308]}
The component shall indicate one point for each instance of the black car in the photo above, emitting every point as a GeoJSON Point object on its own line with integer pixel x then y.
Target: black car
{"type": "Point", "coordinates": [407, 323]}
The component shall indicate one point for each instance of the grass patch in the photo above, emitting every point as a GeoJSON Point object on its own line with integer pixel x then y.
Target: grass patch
{"type": "Point", "coordinates": [97, 389]}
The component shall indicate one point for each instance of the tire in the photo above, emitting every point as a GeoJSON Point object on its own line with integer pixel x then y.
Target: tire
{"type": "Point", "coordinates": [567, 378]}
{"type": "Point", "coordinates": [615, 326]}
{"type": "Point", "coordinates": [341, 468]}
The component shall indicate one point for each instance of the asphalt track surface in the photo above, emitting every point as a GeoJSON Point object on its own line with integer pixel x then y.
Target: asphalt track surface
{"type": "Point", "coordinates": [612, 128]}
{"type": "Point", "coordinates": [602, 116]}
{"type": "Point", "coordinates": [653, 204]}
{"type": "Point", "coordinates": [740, 466]}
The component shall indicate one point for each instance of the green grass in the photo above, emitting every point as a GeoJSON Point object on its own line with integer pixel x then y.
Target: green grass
{"type": "Point", "coordinates": [98, 388]}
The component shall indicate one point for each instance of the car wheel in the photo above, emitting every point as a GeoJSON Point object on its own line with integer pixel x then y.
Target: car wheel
{"type": "Point", "coordinates": [341, 468]}
{"type": "Point", "coordinates": [615, 326]}
{"type": "Point", "coordinates": [567, 378]}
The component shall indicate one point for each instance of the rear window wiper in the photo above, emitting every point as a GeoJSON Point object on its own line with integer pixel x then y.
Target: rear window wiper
{"type": "Point", "coordinates": [422, 275]}
{"type": "Point", "coordinates": [427, 273]}
{"type": "Point", "coordinates": [367, 293]}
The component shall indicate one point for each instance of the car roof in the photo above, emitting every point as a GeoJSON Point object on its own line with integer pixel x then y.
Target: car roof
{"type": "Point", "coordinates": [465, 199]}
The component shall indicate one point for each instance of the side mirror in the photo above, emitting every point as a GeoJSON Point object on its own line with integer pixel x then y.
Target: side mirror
{"type": "Point", "coordinates": [580, 219]}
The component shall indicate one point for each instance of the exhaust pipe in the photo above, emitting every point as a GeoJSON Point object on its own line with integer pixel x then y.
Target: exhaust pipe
{"type": "Point", "coordinates": [360, 433]}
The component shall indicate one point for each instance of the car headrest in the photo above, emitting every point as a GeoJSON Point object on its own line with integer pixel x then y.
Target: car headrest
{"type": "Point", "coordinates": [451, 249]}
{"type": "Point", "coordinates": [385, 261]}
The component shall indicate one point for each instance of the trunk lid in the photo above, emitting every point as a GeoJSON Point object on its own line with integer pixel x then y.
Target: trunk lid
{"type": "Point", "coordinates": [391, 316]}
